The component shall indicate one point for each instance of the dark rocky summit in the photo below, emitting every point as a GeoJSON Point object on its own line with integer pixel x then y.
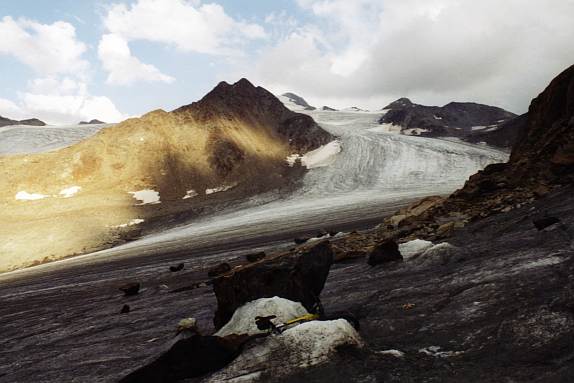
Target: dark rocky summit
{"type": "Point", "coordinates": [328, 109]}
{"type": "Point", "coordinates": [91, 122]}
{"type": "Point", "coordinates": [260, 109]}
{"type": "Point", "coordinates": [456, 119]}
{"type": "Point", "coordinates": [298, 100]}
{"type": "Point", "coordinates": [31, 122]}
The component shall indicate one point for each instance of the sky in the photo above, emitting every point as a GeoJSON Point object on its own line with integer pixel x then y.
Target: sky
{"type": "Point", "coordinates": [66, 60]}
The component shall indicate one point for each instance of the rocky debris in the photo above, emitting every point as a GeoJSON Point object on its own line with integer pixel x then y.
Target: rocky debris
{"type": "Point", "coordinates": [297, 276]}
{"type": "Point", "coordinates": [498, 296]}
{"type": "Point", "coordinates": [456, 119]}
{"type": "Point", "coordinates": [385, 252]}
{"type": "Point", "coordinates": [125, 309]}
{"type": "Point", "coordinates": [414, 210]}
{"type": "Point", "coordinates": [298, 100]}
{"type": "Point", "coordinates": [177, 267]}
{"type": "Point", "coordinates": [91, 122]}
{"type": "Point", "coordinates": [542, 223]}
{"type": "Point", "coordinates": [255, 257]}
{"type": "Point", "coordinates": [130, 289]}
{"type": "Point", "coordinates": [31, 121]}
{"type": "Point", "coordinates": [220, 269]}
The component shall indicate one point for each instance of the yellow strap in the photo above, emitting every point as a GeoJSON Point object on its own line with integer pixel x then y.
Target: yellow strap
{"type": "Point", "coordinates": [304, 318]}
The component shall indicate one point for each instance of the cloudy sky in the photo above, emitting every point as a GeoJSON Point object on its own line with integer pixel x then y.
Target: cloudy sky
{"type": "Point", "coordinates": [68, 60]}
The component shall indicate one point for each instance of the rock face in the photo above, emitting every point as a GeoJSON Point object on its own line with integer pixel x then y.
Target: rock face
{"type": "Point", "coordinates": [456, 119]}
{"type": "Point", "coordinates": [298, 277]}
{"type": "Point", "coordinates": [504, 135]}
{"type": "Point", "coordinates": [32, 122]}
{"type": "Point", "coordinates": [298, 100]}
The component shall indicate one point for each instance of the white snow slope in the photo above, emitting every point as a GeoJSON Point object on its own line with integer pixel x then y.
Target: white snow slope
{"type": "Point", "coordinates": [23, 139]}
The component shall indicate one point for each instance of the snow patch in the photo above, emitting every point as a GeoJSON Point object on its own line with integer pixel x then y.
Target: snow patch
{"type": "Point", "coordinates": [435, 352]}
{"type": "Point", "coordinates": [554, 260]}
{"type": "Point", "coordinates": [25, 196]}
{"type": "Point", "coordinates": [243, 319]}
{"type": "Point", "coordinates": [190, 194]}
{"type": "Point", "coordinates": [395, 353]}
{"type": "Point", "coordinates": [221, 188]}
{"type": "Point", "coordinates": [480, 127]}
{"type": "Point", "coordinates": [70, 192]}
{"type": "Point", "coordinates": [135, 221]}
{"type": "Point", "coordinates": [437, 118]}
{"type": "Point", "coordinates": [414, 247]}
{"type": "Point", "coordinates": [146, 196]}
{"type": "Point", "coordinates": [323, 156]}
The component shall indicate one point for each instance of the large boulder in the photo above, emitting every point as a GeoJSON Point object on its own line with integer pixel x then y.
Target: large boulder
{"type": "Point", "coordinates": [385, 252]}
{"type": "Point", "coordinates": [298, 276]}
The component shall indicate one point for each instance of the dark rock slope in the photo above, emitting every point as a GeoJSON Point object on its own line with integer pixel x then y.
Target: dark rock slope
{"type": "Point", "coordinates": [456, 119]}
{"type": "Point", "coordinates": [258, 107]}
{"type": "Point", "coordinates": [31, 121]}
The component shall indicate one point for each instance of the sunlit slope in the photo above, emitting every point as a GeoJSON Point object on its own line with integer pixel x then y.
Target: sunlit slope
{"type": "Point", "coordinates": [88, 195]}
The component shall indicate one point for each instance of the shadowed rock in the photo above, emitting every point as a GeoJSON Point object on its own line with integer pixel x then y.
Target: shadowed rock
{"type": "Point", "coordinates": [222, 268]}
{"type": "Point", "coordinates": [385, 252]}
{"type": "Point", "coordinates": [130, 289]}
{"type": "Point", "coordinates": [298, 276]}
{"type": "Point", "coordinates": [177, 268]}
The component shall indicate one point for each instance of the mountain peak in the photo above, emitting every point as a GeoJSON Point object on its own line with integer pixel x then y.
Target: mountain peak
{"type": "Point", "coordinates": [402, 102]}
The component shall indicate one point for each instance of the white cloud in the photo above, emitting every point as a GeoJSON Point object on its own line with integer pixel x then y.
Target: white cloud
{"type": "Point", "coordinates": [46, 48]}
{"type": "Point", "coordinates": [122, 67]}
{"type": "Point", "coordinates": [66, 101]}
{"type": "Point", "coordinates": [53, 52]}
{"type": "Point", "coordinates": [433, 51]}
{"type": "Point", "coordinates": [60, 101]}
{"type": "Point", "coordinates": [187, 26]}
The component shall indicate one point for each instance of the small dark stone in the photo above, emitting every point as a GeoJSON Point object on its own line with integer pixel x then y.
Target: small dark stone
{"type": "Point", "coordinates": [222, 268]}
{"type": "Point", "coordinates": [301, 240]}
{"type": "Point", "coordinates": [177, 268]}
{"type": "Point", "coordinates": [543, 223]}
{"type": "Point", "coordinates": [254, 257]}
{"type": "Point", "coordinates": [130, 289]}
{"type": "Point", "coordinates": [385, 252]}
{"type": "Point", "coordinates": [125, 309]}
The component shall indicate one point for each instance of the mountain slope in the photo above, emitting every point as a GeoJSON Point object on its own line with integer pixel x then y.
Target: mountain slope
{"type": "Point", "coordinates": [160, 164]}
{"type": "Point", "coordinates": [456, 119]}
{"type": "Point", "coordinates": [31, 121]}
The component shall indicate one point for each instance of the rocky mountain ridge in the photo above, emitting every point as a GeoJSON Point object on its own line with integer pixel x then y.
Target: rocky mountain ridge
{"type": "Point", "coordinates": [31, 121]}
{"type": "Point", "coordinates": [455, 119]}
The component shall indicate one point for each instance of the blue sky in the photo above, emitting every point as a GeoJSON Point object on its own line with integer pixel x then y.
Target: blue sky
{"type": "Point", "coordinates": [66, 60]}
